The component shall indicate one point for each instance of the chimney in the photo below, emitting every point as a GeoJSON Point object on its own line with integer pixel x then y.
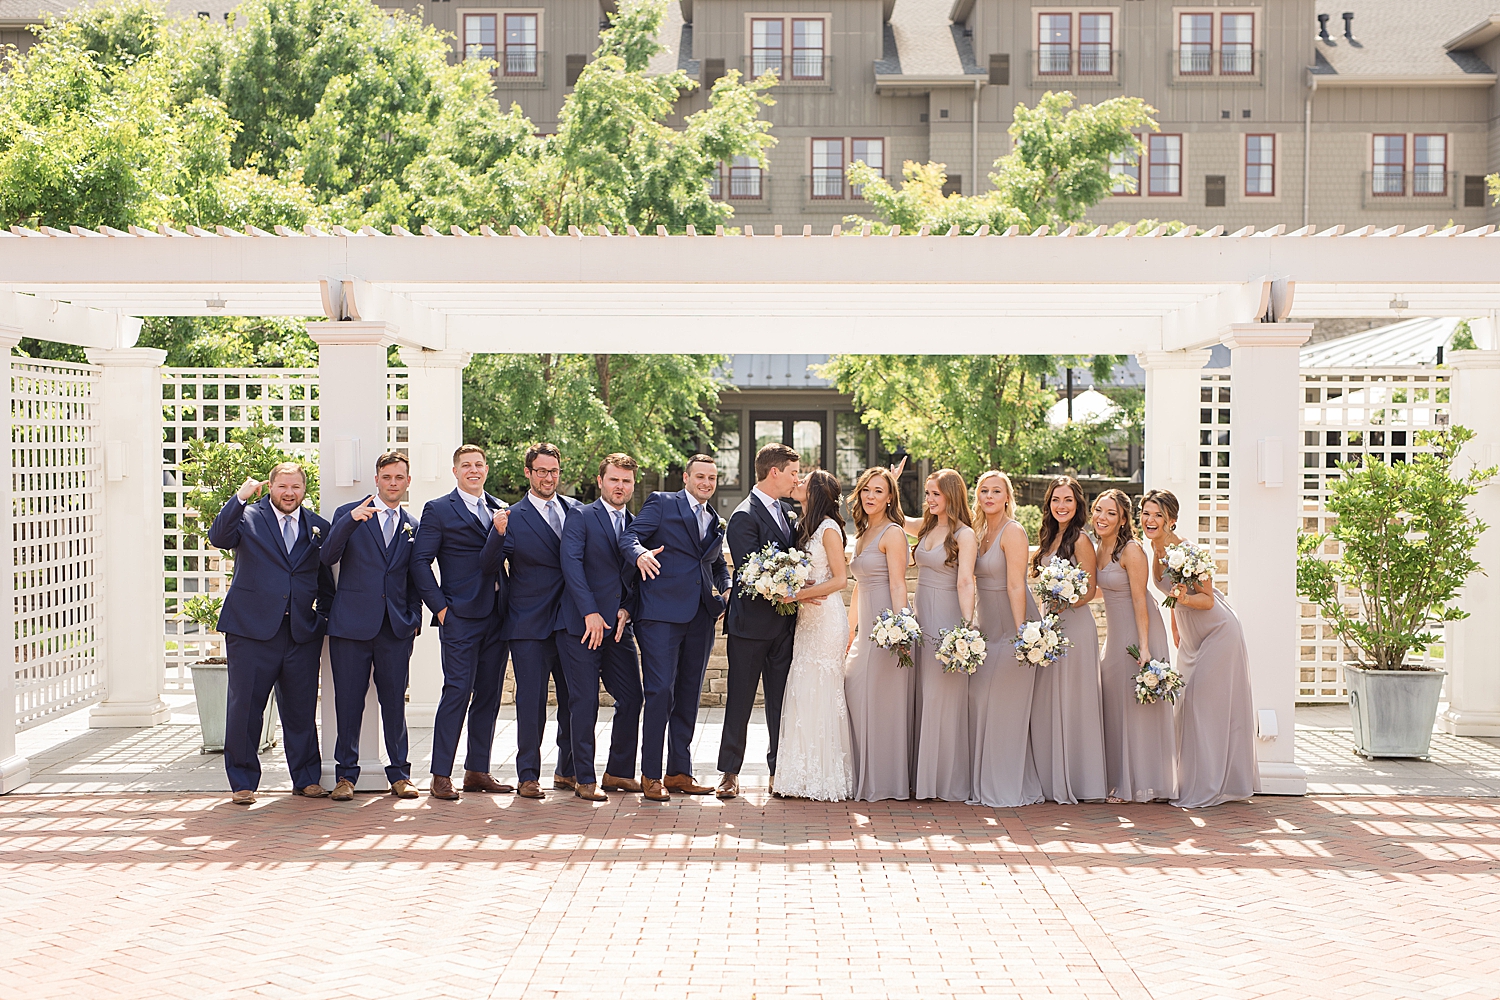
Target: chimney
{"type": "Point", "coordinates": [1323, 27]}
{"type": "Point", "coordinates": [1348, 17]}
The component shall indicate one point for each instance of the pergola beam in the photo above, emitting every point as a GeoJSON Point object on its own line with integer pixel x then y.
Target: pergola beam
{"type": "Point", "coordinates": [410, 324]}
{"type": "Point", "coordinates": [65, 323]}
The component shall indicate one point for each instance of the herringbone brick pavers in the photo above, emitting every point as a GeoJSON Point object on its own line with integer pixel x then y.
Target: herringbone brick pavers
{"type": "Point", "coordinates": [185, 895]}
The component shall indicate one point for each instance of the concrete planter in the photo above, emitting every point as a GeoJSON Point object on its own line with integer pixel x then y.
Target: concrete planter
{"type": "Point", "coordinates": [1393, 710]}
{"type": "Point", "coordinates": [211, 691]}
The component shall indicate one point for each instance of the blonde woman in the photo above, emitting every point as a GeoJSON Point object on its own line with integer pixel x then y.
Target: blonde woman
{"type": "Point", "coordinates": [945, 552]}
{"type": "Point", "coordinates": [1140, 741]}
{"type": "Point", "coordinates": [1004, 773]}
{"type": "Point", "coordinates": [879, 693]}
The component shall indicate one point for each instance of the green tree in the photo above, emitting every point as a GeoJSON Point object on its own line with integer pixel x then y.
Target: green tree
{"type": "Point", "coordinates": [1057, 169]}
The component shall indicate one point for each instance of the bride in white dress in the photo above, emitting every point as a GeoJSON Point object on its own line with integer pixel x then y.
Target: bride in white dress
{"type": "Point", "coordinates": [813, 758]}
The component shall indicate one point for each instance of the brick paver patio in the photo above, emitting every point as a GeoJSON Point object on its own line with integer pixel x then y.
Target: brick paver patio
{"type": "Point", "coordinates": [181, 894]}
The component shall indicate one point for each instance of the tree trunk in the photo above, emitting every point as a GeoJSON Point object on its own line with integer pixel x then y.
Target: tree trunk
{"type": "Point", "coordinates": [601, 365]}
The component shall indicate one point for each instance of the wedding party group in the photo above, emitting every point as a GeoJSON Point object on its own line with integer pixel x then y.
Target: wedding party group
{"type": "Point", "coordinates": [988, 687]}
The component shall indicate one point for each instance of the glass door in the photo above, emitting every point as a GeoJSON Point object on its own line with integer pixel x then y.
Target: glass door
{"type": "Point", "coordinates": [802, 430]}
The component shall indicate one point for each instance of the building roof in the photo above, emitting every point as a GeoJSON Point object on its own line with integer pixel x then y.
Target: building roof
{"type": "Point", "coordinates": [32, 11]}
{"type": "Point", "coordinates": [1406, 41]}
{"type": "Point", "coordinates": [1413, 342]}
{"type": "Point", "coordinates": [777, 371]}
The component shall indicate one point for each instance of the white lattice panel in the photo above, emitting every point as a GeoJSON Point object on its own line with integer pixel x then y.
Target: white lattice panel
{"type": "Point", "coordinates": [1213, 474]}
{"type": "Point", "coordinates": [55, 534]}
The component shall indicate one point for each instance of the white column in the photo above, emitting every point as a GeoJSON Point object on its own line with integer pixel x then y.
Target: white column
{"type": "Point", "coordinates": [351, 436]}
{"type": "Point", "coordinates": [1474, 643]}
{"type": "Point", "coordinates": [1173, 383]}
{"type": "Point", "coordinates": [1264, 514]}
{"type": "Point", "coordinates": [435, 427]}
{"type": "Point", "coordinates": [135, 662]}
{"type": "Point", "coordinates": [15, 770]}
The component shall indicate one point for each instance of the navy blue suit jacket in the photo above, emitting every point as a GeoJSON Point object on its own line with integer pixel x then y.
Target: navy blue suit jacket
{"type": "Point", "coordinates": [533, 552]}
{"type": "Point", "coordinates": [691, 568]}
{"type": "Point", "coordinates": [268, 583]}
{"type": "Point", "coordinates": [450, 534]}
{"type": "Point", "coordinates": [596, 579]}
{"type": "Point", "coordinates": [374, 580]}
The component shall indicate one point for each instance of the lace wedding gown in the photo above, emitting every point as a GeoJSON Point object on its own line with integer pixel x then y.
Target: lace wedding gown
{"type": "Point", "coordinates": [813, 758]}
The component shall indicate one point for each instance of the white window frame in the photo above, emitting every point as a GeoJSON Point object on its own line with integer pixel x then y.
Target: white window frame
{"type": "Point", "coordinates": [499, 13]}
{"type": "Point", "coordinates": [786, 75]}
{"type": "Point", "coordinates": [1216, 42]}
{"type": "Point", "coordinates": [1275, 192]}
{"type": "Point", "coordinates": [1182, 166]}
{"type": "Point", "coordinates": [1443, 173]}
{"type": "Point", "coordinates": [1075, 41]}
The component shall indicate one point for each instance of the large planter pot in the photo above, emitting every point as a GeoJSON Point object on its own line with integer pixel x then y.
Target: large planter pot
{"type": "Point", "coordinates": [211, 691]}
{"type": "Point", "coordinates": [1393, 710]}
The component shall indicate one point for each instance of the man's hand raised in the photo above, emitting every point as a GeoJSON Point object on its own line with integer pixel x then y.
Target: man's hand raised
{"type": "Point", "coordinates": [249, 488]}
{"type": "Point", "coordinates": [648, 564]}
{"type": "Point", "coordinates": [364, 511]}
{"type": "Point", "coordinates": [501, 519]}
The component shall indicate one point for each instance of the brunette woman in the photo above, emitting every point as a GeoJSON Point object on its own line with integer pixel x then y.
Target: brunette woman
{"type": "Point", "coordinates": [1000, 691]}
{"type": "Point", "coordinates": [1216, 713]}
{"type": "Point", "coordinates": [878, 690]}
{"type": "Point", "coordinates": [944, 554]}
{"type": "Point", "coordinates": [1067, 723]}
{"type": "Point", "coordinates": [1140, 741]}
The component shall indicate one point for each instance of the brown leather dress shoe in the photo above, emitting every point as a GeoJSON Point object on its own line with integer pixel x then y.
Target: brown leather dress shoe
{"type": "Point", "coordinates": [683, 784]}
{"type": "Point", "coordinates": [343, 791]}
{"type": "Point", "coordinates": [564, 783]}
{"type": "Point", "coordinates": [590, 792]}
{"type": "Point", "coordinates": [531, 790]}
{"type": "Point", "coordinates": [478, 781]}
{"type": "Point", "coordinates": [652, 789]}
{"type": "Point", "coordinates": [612, 784]}
{"type": "Point", "coordinates": [311, 791]}
{"type": "Point", "coordinates": [244, 797]}
{"type": "Point", "coordinates": [403, 789]}
{"type": "Point", "coordinates": [729, 787]}
{"type": "Point", "coordinates": [442, 788]}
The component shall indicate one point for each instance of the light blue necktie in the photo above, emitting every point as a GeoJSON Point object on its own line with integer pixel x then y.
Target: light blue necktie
{"type": "Point", "coordinates": [288, 535]}
{"type": "Point", "coordinates": [389, 529]}
{"type": "Point", "coordinates": [554, 518]}
{"type": "Point", "coordinates": [618, 516]}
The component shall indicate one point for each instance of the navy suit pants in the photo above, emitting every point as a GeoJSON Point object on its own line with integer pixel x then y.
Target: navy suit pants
{"type": "Point", "coordinates": [674, 656]}
{"type": "Point", "coordinates": [473, 673]}
{"type": "Point", "coordinates": [353, 661]}
{"type": "Point", "coordinates": [617, 664]}
{"type": "Point", "coordinates": [535, 660]}
{"type": "Point", "coordinates": [255, 667]}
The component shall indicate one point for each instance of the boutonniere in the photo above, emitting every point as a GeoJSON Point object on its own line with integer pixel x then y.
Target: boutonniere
{"type": "Point", "coordinates": [791, 516]}
{"type": "Point", "coordinates": [723, 524]}
{"type": "Point", "coordinates": [410, 532]}
{"type": "Point", "coordinates": [317, 532]}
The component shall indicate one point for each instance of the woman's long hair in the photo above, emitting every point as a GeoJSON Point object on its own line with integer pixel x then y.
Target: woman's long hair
{"type": "Point", "coordinates": [822, 502]}
{"type": "Point", "coordinates": [1167, 501]}
{"type": "Point", "coordinates": [956, 495]}
{"type": "Point", "coordinates": [893, 511]}
{"type": "Point", "coordinates": [1126, 533]}
{"type": "Point", "coordinates": [982, 522]}
{"type": "Point", "coordinates": [1051, 529]}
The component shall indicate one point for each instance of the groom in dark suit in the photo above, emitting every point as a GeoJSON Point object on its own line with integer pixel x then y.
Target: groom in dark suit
{"type": "Point", "coordinates": [273, 621]}
{"type": "Point", "coordinates": [759, 640]}
{"type": "Point", "coordinates": [677, 543]}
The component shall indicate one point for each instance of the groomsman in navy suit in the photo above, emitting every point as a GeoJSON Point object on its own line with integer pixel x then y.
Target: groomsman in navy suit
{"type": "Point", "coordinates": [273, 621]}
{"type": "Point", "coordinates": [677, 543]}
{"type": "Point", "coordinates": [469, 610]}
{"type": "Point", "coordinates": [531, 545]}
{"type": "Point", "coordinates": [376, 615]}
{"type": "Point", "coordinates": [597, 641]}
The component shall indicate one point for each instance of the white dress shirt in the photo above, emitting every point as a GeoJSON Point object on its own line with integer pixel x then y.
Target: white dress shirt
{"type": "Point", "coordinates": [773, 506]}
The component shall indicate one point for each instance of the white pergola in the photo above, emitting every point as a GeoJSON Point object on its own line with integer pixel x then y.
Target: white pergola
{"type": "Point", "coordinates": [442, 297]}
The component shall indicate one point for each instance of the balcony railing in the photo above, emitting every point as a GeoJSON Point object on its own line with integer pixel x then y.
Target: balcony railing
{"type": "Point", "coordinates": [1079, 65]}
{"type": "Point", "coordinates": [1408, 189]}
{"type": "Point", "coordinates": [520, 68]}
{"type": "Point", "coordinates": [793, 69]}
{"type": "Point", "coordinates": [1239, 65]}
{"type": "Point", "coordinates": [831, 185]}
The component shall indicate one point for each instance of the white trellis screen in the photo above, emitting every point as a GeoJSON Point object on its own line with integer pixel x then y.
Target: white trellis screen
{"type": "Point", "coordinates": [1346, 415]}
{"type": "Point", "coordinates": [209, 404]}
{"type": "Point", "coordinates": [55, 537]}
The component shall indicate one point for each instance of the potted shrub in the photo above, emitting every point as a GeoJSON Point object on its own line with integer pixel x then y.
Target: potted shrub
{"type": "Point", "coordinates": [1405, 543]}
{"type": "Point", "coordinates": [211, 683]}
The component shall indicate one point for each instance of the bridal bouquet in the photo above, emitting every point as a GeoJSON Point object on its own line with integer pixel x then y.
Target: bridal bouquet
{"type": "Point", "coordinates": [962, 648]}
{"type": "Point", "coordinates": [1188, 564]}
{"type": "Point", "coordinates": [1059, 584]}
{"type": "Point", "coordinates": [772, 573]}
{"type": "Point", "coordinates": [1040, 641]}
{"type": "Point", "coordinates": [1157, 679]}
{"type": "Point", "coordinates": [899, 632]}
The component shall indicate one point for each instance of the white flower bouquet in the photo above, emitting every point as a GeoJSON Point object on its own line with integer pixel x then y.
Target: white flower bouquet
{"type": "Point", "coordinates": [772, 573]}
{"type": "Point", "coordinates": [898, 632]}
{"type": "Point", "coordinates": [1059, 584]}
{"type": "Point", "coordinates": [1041, 641]}
{"type": "Point", "coordinates": [962, 648]}
{"type": "Point", "coordinates": [1187, 564]}
{"type": "Point", "coordinates": [1156, 681]}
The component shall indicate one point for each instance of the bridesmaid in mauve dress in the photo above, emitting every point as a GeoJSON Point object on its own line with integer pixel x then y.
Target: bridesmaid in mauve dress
{"type": "Point", "coordinates": [945, 553]}
{"type": "Point", "coordinates": [1216, 712]}
{"type": "Point", "coordinates": [879, 692]}
{"type": "Point", "coordinates": [1000, 691]}
{"type": "Point", "coordinates": [1067, 722]}
{"type": "Point", "coordinates": [1140, 741]}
